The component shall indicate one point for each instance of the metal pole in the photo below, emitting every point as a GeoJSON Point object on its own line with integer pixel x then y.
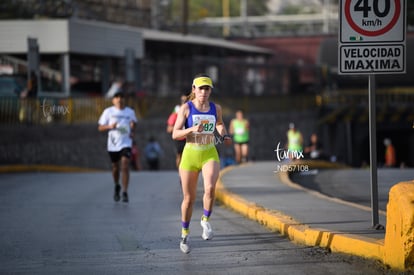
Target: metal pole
{"type": "Point", "coordinates": [155, 24]}
{"type": "Point", "coordinates": [373, 150]}
{"type": "Point", "coordinates": [226, 13]}
{"type": "Point", "coordinates": [65, 71]}
{"type": "Point", "coordinates": [243, 15]}
{"type": "Point", "coordinates": [326, 13]}
{"type": "Point", "coordinates": [349, 140]}
{"type": "Point", "coordinates": [184, 24]}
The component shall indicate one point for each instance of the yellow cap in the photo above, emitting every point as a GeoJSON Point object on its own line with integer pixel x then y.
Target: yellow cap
{"type": "Point", "coordinates": [203, 81]}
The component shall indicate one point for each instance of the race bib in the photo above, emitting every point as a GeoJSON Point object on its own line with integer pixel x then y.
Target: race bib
{"type": "Point", "coordinates": [123, 129]}
{"type": "Point", "coordinates": [239, 131]}
{"type": "Point", "coordinates": [208, 121]}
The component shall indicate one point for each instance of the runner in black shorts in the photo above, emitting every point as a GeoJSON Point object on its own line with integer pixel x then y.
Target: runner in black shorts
{"type": "Point", "coordinates": [116, 156]}
{"type": "Point", "coordinates": [179, 143]}
{"type": "Point", "coordinates": [179, 146]}
{"type": "Point", "coordinates": [119, 121]}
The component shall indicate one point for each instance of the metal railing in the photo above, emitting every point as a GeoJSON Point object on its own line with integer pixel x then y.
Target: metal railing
{"type": "Point", "coordinates": [56, 110]}
{"type": "Point", "coordinates": [87, 110]}
{"type": "Point", "coordinates": [396, 96]}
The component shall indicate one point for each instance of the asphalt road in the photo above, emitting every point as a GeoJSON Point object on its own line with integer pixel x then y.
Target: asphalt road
{"type": "Point", "coordinates": [67, 223]}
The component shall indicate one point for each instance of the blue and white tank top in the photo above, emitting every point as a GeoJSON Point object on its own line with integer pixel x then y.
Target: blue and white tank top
{"type": "Point", "coordinates": [208, 119]}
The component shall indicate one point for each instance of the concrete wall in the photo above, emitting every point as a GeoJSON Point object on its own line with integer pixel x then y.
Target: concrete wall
{"type": "Point", "coordinates": [83, 146]}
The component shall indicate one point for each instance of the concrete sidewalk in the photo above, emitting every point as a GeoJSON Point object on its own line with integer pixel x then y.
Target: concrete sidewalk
{"type": "Point", "coordinates": [256, 191]}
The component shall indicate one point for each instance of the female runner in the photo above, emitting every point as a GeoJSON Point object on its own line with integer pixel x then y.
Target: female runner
{"type": "Point", "coordinates": [197, 120]}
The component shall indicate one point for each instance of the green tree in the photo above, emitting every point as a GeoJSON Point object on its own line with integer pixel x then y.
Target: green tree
{"type": "Point", "coordinates": [198, 9]}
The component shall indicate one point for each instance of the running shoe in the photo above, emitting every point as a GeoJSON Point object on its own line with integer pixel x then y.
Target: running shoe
{"type": "Point", "coordinates": [207, 231]}
{"type": "Point", "coordinates": [185, 244]}
{"type": "Point", "coordinates": [125, 197]}
{"type": "Point", "coordinates": [117, 191]}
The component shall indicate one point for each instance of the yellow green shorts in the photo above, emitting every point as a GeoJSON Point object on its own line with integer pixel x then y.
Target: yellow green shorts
{"type": "Point", "coordinates": [195, 156]}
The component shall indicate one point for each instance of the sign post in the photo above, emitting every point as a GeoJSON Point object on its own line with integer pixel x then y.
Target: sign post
{"type": "Point", "coordinates": [372, 37]}
{"type": "Point", "coordinates": [33, 62]}
{"type": "Point", "coordinates": [373, 151]}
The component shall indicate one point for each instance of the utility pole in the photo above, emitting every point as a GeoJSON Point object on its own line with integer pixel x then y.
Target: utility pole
{"type": "Point", "coordinates": [155, 15]}
{"type": "Point", "coordinates": [184, 26]}
{"type": "Point", "coordinates": [226, 15]}
{"type": "Point", "coordinates": [243, 15]}
{"type": "Point", "coordinates": [326, 11]}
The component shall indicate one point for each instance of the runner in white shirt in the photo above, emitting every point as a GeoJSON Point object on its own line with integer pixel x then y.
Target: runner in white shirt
{"type": "Point", "coordinates": [119, 120]}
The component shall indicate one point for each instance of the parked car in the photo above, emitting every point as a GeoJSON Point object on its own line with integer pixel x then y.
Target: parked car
{"type": "Point", "coordinates": [10, 88]}
{"type": "Point", "coordinates": [11, 85]}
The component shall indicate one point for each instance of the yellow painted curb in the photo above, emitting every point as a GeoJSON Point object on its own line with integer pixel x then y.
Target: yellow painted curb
{"type": "Point", "coordinates": [298, 232]}
{"type": "Point", "coordinates": [42, 168]}
{"type": "Point", "coordinates": [399, 240]}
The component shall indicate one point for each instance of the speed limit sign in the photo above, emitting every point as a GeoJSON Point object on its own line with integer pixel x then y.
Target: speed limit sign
{"type": "Point", "coordinates": [365, 21]}
{"type": "Point", "coordinates": [372, 36]}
